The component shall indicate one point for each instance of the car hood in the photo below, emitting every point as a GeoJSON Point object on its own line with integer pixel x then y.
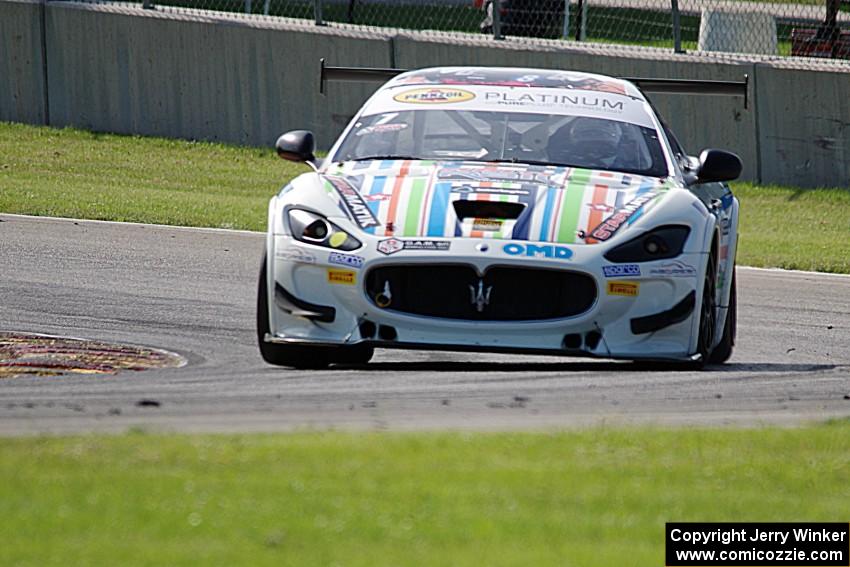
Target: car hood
{"type": "Point", "coordinates": [489, 200]}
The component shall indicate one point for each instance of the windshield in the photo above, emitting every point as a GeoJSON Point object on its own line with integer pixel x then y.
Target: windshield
{"type": "Point", "coordinates": [576, 141]}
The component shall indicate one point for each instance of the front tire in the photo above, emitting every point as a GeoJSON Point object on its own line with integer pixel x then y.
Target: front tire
{"type": "Point", "coordinates": [707, 311]}
{"type": "Point", "coordinates": [723, 350]}
{"type": "Point", "coordinates": [299, 356]}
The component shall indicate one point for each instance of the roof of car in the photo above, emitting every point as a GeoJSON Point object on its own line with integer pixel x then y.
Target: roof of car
{"type": "Point", "coordinates": [516, 77]}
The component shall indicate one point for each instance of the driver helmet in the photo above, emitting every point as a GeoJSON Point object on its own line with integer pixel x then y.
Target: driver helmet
{"type": "Point", "coordinates": [586, 142]}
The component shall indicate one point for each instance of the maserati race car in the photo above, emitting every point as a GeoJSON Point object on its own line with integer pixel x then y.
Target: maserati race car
{"type": "Point", "coordinates": [502, 210]}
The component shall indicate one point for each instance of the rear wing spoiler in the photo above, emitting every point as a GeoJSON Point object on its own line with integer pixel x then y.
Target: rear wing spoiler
{"type": "Point", "coordinates": [648, 86]}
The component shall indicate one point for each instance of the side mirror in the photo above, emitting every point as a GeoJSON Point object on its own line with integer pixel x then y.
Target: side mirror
{"type": "Point", "coordinates": [297, 145]}
{"type": "Point", "coordinates": [718, 165]}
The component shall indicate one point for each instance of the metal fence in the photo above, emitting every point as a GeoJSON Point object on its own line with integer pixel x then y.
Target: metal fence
{"type": "Point", "coordinates": [802, 28]}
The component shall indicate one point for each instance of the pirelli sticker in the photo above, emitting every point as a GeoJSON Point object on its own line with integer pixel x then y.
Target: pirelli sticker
{"type": "Point", "coordinates": [625, 289]}
{"type": "Point", "coordinates": [344, 277]}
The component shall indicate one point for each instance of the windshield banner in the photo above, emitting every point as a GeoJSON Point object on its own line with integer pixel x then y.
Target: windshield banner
{"type": "Point", "coordinates": [550, 101]}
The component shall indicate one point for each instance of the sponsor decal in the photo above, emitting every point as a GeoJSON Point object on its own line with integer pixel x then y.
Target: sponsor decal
{"type": "Point", "coordinates": [434, 95]}
{"type": "Point", "coordinates": [600, 207]}
{"type": "Point", "coordinates": [487, 225]}
{"type": "Point", "coordinates": [381, 128]}
{"type": "Point", "coordinates": [345, 277]}
{"type": "Point", "coordinates": [354, 203]}
{"type": "Point", "coordinates": [349, 260]}
{"type": "Point", "coordinates": [726, 201]}
{"type": "Point", "coordinates": [378, 197]}
{"type": "Point", "coordinates": [393, 245]}
{"type": "Point", "coordinates": [625, 289]}
{"type": "Point", "coordinates": [621, 270]}
{"type": "Point", "coordinates": [465, 189]}
{"type": "Point", "coordinates": [675, 269]}
{"type": "Point", "coordinates": [613, 223]}
{"type": "Point", "coordinates": [510, 98]}
{"type": "Point", "coordinates": [295, 254]}
{"type": "Point", "coordinates": [525, 175]}
{"type": "Point", "coordinates": [390, 246]}
{"type": "Point", "coordinates": [538, 251]}
{"type": "Point", "coordinates": [509, 78]}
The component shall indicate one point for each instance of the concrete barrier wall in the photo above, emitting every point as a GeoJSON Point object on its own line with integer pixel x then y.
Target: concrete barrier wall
{"type": "Point", "coordinates": [22, 88]}
{"type": "Point", "coordinates": [804, 121]}
{"type": "Point", "coordinates": [245, 81]}
{"type": "Point", "coordinates": [236, 81]}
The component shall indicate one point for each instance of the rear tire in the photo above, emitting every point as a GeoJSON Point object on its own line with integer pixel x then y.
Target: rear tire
{"type": "Point", "coordinates": [723, 350]}
{"type": "Point", "coordinates": [298, 356]}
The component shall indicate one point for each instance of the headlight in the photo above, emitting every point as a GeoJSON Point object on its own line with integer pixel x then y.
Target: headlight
{"type": "Point", "coordinates": [315, 229]}
{"type": "Point", "coordinates": [658, 244]}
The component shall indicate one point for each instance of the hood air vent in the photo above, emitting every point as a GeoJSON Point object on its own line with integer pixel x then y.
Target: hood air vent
{"type": "Point", "coordinates": [488, 210]}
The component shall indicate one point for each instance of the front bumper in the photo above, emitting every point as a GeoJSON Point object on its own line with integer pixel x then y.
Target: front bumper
{"type": "Point", "coordinates": [309, 287]}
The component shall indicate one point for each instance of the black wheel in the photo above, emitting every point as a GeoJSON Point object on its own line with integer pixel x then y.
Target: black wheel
{"type": "Point", "coordinates": [297, 356]}
{"type": "Point", "coordinates": [723, 350]}
{"type": "Point", "coordinates": [707, 311]}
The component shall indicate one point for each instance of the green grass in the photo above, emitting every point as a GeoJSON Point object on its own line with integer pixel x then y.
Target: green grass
{"type": "Point", "coordinates": [595, 497]}
{"type": "Point", "coordinates": [797, 229]}
{"type": "Point", "coordinates": [70, 173]}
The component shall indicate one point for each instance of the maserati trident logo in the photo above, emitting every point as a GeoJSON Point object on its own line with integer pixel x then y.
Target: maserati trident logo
{"type": "Point", "coordinates": [480, 297]}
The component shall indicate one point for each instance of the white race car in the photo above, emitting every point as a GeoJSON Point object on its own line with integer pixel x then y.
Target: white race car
{"type": "Point", "coordinates": [502, 210]}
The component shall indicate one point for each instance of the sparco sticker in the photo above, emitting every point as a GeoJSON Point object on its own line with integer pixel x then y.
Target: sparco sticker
{"type": "Point", "coordinates": [613, 223]}
{"type": "Point", "coordinates": [349, 260]}
{"type": "Point", "coordinates": [621, 271]}
{"type": "Point", "coordinates": [353, 201]}
{"type": "Point", "coordinates": [435, 95]}
{"type": "Point", "coordinates": [393, 245]}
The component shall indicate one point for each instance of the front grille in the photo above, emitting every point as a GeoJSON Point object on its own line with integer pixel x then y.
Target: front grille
{"type": "Point", "coordinates": [457, 291]}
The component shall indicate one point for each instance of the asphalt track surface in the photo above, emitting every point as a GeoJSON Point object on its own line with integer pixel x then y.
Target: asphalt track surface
{"type": "Point", "coordinates": [192, 291]}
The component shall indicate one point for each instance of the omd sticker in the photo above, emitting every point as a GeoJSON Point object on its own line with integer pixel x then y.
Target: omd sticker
{"type": "Point", "coordinates": [345, 277]}
{"type": "Point", "coordinates": [626, 289]}
{"type": "Point", "coordinates": [435, 95]}
{"type": "Point", "coordinates": [757, 544]}
{"type": "Point", "coordinates": [538, 251]}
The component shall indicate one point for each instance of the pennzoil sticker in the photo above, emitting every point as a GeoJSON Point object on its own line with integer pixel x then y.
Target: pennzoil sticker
{"type": "Point", "coordinates": [345, 277]}
{"type": "Point", "coordinates": [434, 95]}
{"type": "Point", "coordinates": [626, 289]}
{"type": "Point", "coordinates": [354, 203]}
